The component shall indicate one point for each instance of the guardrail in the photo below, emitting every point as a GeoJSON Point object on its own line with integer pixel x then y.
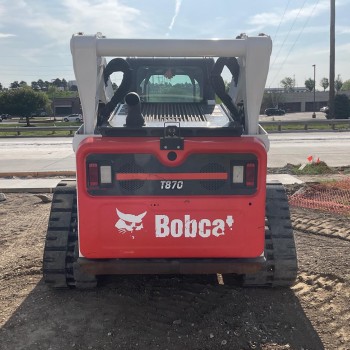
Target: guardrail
{"type": "Point", "coordinates": [279, 123]}
{"type": "Point", "coordinates": [20, 129]}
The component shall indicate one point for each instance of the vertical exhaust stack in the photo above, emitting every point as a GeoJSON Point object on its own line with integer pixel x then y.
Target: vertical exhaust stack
{"type": "Point", "coordinates": [134, 118]}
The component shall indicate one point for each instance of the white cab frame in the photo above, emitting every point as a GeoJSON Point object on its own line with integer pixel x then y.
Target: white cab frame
{"type": "Point", "coordinates": [89, 52]}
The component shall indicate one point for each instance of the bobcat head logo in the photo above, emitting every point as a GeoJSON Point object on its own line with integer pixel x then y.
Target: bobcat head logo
{"type": "Point", "coordinates": [129, 222]}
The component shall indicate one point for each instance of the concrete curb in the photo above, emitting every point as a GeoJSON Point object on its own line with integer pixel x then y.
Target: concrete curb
{"type": "Point", "coordinates": [46, 182]}
{"type": "Point", "coordinates": [37, 174]}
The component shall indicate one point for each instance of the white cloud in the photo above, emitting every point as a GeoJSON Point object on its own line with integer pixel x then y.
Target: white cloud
{"type": "Point", "coordinates": [342, 30]}
{"type": "Point", "coordinates": [6, 35]}
{"type": "Point", "coordinates": [177, 10]}
{"type": "Point", "coordinates": [274, 18]}
{"type": "Point", "coordinates": [59, 22]}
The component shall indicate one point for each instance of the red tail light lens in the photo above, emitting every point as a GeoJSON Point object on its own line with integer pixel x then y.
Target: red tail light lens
{"type": "Point", "coordinates": [92, 175]}
{"type": "Point", "coordinates": [250, 174]}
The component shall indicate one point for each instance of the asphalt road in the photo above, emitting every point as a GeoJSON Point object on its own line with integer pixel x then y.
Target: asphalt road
{"type": "Point", "coordinates": [330, 147]}
{"type": "Point", "coordinates": [56, 154]}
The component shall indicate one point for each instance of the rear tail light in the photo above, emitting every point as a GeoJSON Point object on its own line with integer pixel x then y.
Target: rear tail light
{"type": "Point", "coordinates": [99, 175]}
{"type": "Point", "coordinates": [250, 174]}
{"type": "Point", "coordinates": [244, 174]}
{"type": "Point", "coordinates": [93, 175]}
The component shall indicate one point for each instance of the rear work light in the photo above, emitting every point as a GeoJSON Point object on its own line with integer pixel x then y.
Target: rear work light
{"type": "Point", "coordinates": [244, 174]}
{"type": "Point", "coordinates": [106, 174]}
{"type": "Point", "coordinates": [99, 175]}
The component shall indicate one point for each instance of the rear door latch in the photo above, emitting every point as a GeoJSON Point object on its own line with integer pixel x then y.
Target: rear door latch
{"type": "Point", "coordinates": [172, 139]}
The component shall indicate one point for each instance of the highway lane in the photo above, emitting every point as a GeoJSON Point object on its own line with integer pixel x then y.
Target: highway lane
{"type": "Point", "coordinates": [36, 154]}
{"type": "Point", "coordinates": [56, 154]}
{"type": "Point", "coordinates": [330, 147]}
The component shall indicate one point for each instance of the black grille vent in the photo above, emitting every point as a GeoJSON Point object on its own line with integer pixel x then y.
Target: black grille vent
{"type": "Point", "coordinates": [131, 185]}
{"type": "Point", "coordinates": [177, 112]}
{"type": "Point", "coordinates": [212, 185]}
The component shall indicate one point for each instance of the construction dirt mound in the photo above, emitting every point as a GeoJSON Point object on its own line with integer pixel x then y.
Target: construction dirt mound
{"type": "Point", "coordinates": [173, 312]}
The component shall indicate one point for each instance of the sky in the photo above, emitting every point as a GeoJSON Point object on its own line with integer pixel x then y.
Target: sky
{"type": "Point", "coordinates": [35, 34]}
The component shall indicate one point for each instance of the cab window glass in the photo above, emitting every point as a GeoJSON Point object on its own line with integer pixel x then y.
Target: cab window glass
{"type": "Point", "coordinates": [164, 84]}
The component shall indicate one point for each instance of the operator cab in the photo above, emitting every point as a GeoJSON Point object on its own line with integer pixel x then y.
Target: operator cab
{"type": "Point", "coordinates": [170, 90]}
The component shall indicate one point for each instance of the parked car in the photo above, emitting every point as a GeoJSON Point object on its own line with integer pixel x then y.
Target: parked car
{"type": "Point", "coordinates": [73, 118]}
{"type": "Point", "coordinates": [0, 119]}
{"type": "Point", "coordinates": [274, 111]}
{"type": "Point", "coordinates": [324, 109]}
{"type": "Point", "coordinates": [5, 116]}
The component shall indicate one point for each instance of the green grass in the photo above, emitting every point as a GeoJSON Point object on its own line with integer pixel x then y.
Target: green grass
{"type": "Point", "coordinates": [32, 132]}
{"type": "Point", "coordinates": [312, 169]}
{"type": "Point", "coordinates": [290, 127]}
{"type": "Point", "coordinates": [37, 133]}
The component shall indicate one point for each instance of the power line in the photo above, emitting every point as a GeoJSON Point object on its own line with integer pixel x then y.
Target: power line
{"type": "Point", "coordinates": [297, 38]}
{"type": "Point", "coordinates": [290, 29]}
{"type": "Point", "coordinates": [274, 36]}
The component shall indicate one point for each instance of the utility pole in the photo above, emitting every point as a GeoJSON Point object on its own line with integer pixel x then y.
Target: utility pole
{"type": "Point", "coordinates": [314, 113]}
{"type": "Point", "coordinates": [332, 60]}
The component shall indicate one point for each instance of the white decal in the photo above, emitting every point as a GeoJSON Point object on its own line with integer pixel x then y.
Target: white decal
{"type": "Point", "coordinates": [229, 221]}
{"type": "Point", "coordinates": [165, 227]}
{"type": "Point", "coordinates": [171, 185]}
{"type": "Point", "coordinates": [129, 222]}
{"type": "Point", "coordinates": [191, 228]}
{"type": "Point", "coordinates": [162, 228]}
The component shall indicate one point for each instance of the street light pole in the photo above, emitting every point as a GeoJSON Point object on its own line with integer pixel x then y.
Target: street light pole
{"type": "Point", "coordinates": [314, 113]}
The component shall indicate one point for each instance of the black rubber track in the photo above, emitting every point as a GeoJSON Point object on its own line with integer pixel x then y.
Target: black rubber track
{"type": "Point", "coordinates": [280, 253]}
{"type": "Point", "coordinates": [60, 250]}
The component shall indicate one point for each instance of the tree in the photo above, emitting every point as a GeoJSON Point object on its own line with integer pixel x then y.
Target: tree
{"type": "Point", "coordinates": [346, 86]}
{"type": "Point", "coordinates": [64, 84]}
{"type": "Point", "coordinates": [41, 84]}
{"type": "Point", "coordinates": [23, 102]}
{"type": "Point", "coordinates": [0, 86]}
{"type": "Point", "coordinates": [22, 83]}
{"type": "Point", "coordinates": [35, 86]}
{"type": "Point", "coordinates": [14, 85]}
{"type": "Point", "coordinates": [57, 82]}
{"type": "Point", "coordinates": [338, 83]}
{"type": "Point", "coordinates": [73, 88]}
{"type": "Point", "coordinates": [310, 84]}
{"type": "Point", "coordinates": [324, 83]}
{"type": "Point", "coordinates": [45, 85]}
{"type": "Point", "coordinates": [288, 84]}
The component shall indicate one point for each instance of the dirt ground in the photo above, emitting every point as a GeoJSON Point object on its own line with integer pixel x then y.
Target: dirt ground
{"type": "Point", "coordinates": [173, 312]}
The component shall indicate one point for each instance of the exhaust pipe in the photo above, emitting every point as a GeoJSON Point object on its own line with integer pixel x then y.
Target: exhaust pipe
{"type": "Point", "coordinates": [134, 118]}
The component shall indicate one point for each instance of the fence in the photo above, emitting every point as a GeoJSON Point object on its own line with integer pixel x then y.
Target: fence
{"type": "Point", "coordinates": [280, 124]}
{"type": "Point", "coordinates": [23, 129]}
{"type": "Point", "coordinates": [333, 196]}
{"type": "Point", "coordinates": [332, 123]}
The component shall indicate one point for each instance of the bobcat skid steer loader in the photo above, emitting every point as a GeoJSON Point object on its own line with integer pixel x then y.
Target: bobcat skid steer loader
{"type": "Point", "coordinates": [169, 181]}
